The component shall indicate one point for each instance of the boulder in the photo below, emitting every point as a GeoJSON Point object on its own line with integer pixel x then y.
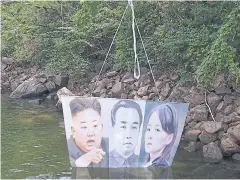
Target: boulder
{"type": "Point", "coordinates": [61, 80]}
{"type": "Point", "coordinates": [124, 96]}
{"type": "Point", "coordinates": [192, 124]}
{"type": "Point", "coordinates": [51, 96]}
{"type": "Point", "coordinates": [236, 157]}
{"type": "Point", "coordinates": [237, 89]}
{"type": "Point", "coordinates": [235, 133]}
{"type": "Point", "coordinates": [6, 84]}
{"type": "Point", "coordinates": [238, 110]}
{"type": "Point", "coordinates": [220, 107]}
{"type": "Point", "coordinates": [223, 90]}
{"type": "Point", "coordinates": [174, 76]}
{"type": "Point", "coordinates": [143, 91]}
{"type": "Point", "coordinates": [199, 113]}
{"type": "Point", "coordinates": [206, 137]}
{"type": "Point", "coordinates": [228, 99]}
{"type": "Point", "coordinates": [3, 67]}
{"type": "Point", "coordinates": [126, 76]}
{"type": "Point", "coordinates": [106, 83]}
{"type": "Point", "coordinates": [63, 92]}
{"type": "Point", "coordinates": [29, 88]}
{"type": "Point", "coordinates": [50, 85]}
{"type": "Point", "coordinates": [36, 101]}
{"type": "Point", "coordinates": [228, 146]}
{"type": "Point", "coordinates": [222, 118]}
{"type": "Point", "coordinates": [212, 153]}
{"type": "Point", "coordinates": [213, 100]}
{"type": "Point", "coordinates": [229, 109]}
{"type": "Point", "coordinates": [165, 90]}
{"type": "Point", "coordinates": [192, 135]}
{"type": "Point", "coordinates": [194, 99]}
{"type": "Point", "coordinates": [7, 61]}
{"type": "Point", "coordinates": [212, 127]}
{"type": "Point", "coordinates": [14, 85]}
{"type": "Point", "coordinates": [160, 84]}
{"type": "Point", "coordinates": [237, 101]}
{"type": "Point", "coordinates": [117, 89]}
{"type": "Point", "coordinates": [25, 77]}
{"type": "Point", "coordinates": [191, 147]}
{"type": "Point", "coordinates": [42, 80]}
{"type": "Point", "coordinates": [111, 74]}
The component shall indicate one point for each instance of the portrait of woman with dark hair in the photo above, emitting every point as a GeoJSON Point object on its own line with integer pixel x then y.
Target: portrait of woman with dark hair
{"type": "Point", "coordinates": [160, 135]}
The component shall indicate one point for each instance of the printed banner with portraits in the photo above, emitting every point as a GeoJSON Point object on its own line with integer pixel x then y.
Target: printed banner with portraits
{"type": "Point", "coordinates": [116, 133]}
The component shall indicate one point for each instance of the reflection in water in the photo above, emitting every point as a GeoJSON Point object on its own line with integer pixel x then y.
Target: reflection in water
{"type": "Point", "coordinates": [122, 173]}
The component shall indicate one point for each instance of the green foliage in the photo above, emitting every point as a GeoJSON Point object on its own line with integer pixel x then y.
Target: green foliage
{"type": "Point", "coordinates": [198, 39]}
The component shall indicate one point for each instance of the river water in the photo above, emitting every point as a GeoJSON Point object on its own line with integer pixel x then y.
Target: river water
{"type": "Point", "coordinates": [34, 146]}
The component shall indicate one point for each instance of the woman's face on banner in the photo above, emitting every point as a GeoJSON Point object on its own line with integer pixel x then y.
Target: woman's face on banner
{"type": "Point", "coordinates": [156, 138]}
{"type": "Point", "coordinates": [87, 129]}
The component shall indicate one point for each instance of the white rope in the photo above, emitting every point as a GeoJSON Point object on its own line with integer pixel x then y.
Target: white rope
{"type": "Point", "coordinates": [109, 49]}
{"type": "Point", "coordinates": [148, 61]}
{"type": "Point", "coordinates": [136, 62]}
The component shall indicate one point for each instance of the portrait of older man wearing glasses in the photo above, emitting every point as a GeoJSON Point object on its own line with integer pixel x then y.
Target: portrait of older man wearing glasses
{"type": "Point", "coordinates": [86, 146]}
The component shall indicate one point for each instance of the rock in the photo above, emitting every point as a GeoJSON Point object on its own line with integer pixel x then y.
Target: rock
{"type": "Point", "coordinates": [234, 117]}
{"type": "Point", "coordinates": [236, 157]}
{"type": "Point", "coordinates": [151, 96]}
{"type": "Point", "coordinates": [42, 80]}
{"type": "Point", "coordinates": [51, 96]}
{"type": "Point", "coordinates": [63, 92]}
{"type": "Point", "coordinates": [51, 86]}
{"type": "Point", "coordinates": [7, 61]}
{"type": "Point", "coordinates": [36, 101]}
{"type": "Point", "coordinates": [199, 113]}
{"type": "Point", "coordinates": [235, 133]}
{"type": "Point", "coordinates": [213, 100]}
{"type": "Point", "coordinates": [105, 83]}
{"type": "Point", "coordinates": [143, 91]}
{"type": "Point", "coordinates": [238, 110]}
{"type": "Point", "coordinates": [3, 67]}
{"type": "Point", "coordinates": [206, 137]}
{"type": "Point", "coordinates": [61, 80]}
{"type": "Point", "coordinates": [229, 109]}
{"type": "Point", "coordinates": [174, 77]}
{"type": "Point", "coordinates": [145, 98]}
{"type": "Point", "coordinates": [222, 118]}
{"type": "Point", "coordinates": [160, 84]}
{"type": "Point", "coordinates": [111, 74]}
{"type": "Point", "coordinates": [165, 90]}
{"type": "Point", "coordinates": [117, 90]}
{"type": "Point", "coordinates": [14, 85]}
{"type": "Point", "coordinates": [198, 126]}
{"type": "Point", "coordinates": [220, 107]}
{"type": "Point", "coordinates": [212, 153]}
{"type": "Point", "coordinates": [212, 127]}
{"type": "Point", "coordinates": [40, 75]}
{"type": "Point", "coordinates": [234, 123]}
{"type": "Point", "coordinates": [6, 84]}
{"type": "Point", "coordinates": [228, 99]}
{"type": "Point", "coordinates": [25, 77]}
{"type": "Point", "coordinates": [127, 76]}
{"type": "Point", "coordinates": [220, 134]}
{"type": "Point", "coordinates": [29, 88]}
{"type": "Point", "coordinates": [124, 96]}
{"type": "Point", "coordinates": [237, 89]}
{"type": "Point", "coordinates": [192, 124]}
{"type": "Point", "coordinates": [192, 146]}
{"type": "Point", "coordinates": [237, 101]}
{"type": "Point", "coordinates": [129, 80]}
{"type": "Point", "coordinates": [192, 135]}
{"type": "Point", "coordinates": [145, 79]}
{"type": "Point", "coordinates": [228, 146]}
{"type": "Point", "coordinates": [194, 99]}
{"type": "Point", "coordinates": [223, 90]}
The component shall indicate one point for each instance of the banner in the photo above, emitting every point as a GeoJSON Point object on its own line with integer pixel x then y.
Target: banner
{"type": "Point", "coordinates": [116, 133]}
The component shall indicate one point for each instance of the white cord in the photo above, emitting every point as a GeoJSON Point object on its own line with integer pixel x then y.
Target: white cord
{"type": "Point", "coordinates": [136, 62]}
{"type": "Point", "coordinates": [109, 49]}
{"type": "Point", "coordinates": [148, 61]}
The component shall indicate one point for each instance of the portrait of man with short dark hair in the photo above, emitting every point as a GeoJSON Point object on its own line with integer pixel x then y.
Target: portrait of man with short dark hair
{"type": "Point", "coordinates": [126, 118]}
{"type": "Point", "coordinates": [86, 146]}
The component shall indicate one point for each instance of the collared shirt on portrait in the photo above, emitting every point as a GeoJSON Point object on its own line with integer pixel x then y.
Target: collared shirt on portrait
{"type": "Point", "coordinates": [116, 160]}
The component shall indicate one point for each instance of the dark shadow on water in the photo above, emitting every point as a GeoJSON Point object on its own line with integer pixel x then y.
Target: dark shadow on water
{"type": "Point", "coordinates": [122, 173]}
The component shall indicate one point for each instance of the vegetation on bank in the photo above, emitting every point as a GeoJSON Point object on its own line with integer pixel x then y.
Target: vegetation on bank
{"type": "Point", "coordinates": [200, 40]}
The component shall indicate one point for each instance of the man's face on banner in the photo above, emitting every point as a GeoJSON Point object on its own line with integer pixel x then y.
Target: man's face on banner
{"type": "Point", "coordinates": [87, 129]}
{"type": "Point", "coordinates": [126, 130]}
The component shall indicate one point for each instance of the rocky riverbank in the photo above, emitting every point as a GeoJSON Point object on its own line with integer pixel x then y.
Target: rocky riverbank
{"type": "Point", "coordinates": [212, 124]}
